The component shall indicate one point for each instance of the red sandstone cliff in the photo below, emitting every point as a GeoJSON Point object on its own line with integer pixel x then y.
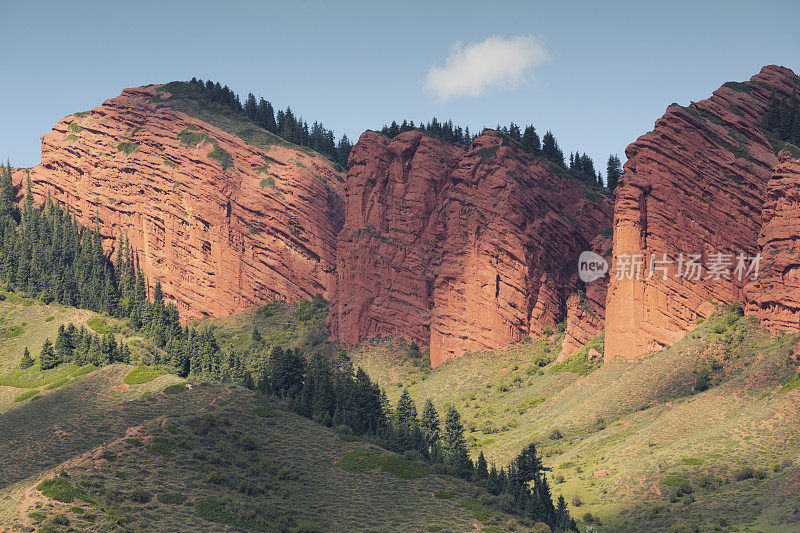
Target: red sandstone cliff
{"type": "Point", "coordinates": [219, 233]}
{"type": "Point", "coordinates": [696, 184]}
{"type": "Point", "coordinates": [586, 309]}
{"type": "Point", "coordinates": [457, 248]}
{"type": "Point", "coordinates": [775, 296]}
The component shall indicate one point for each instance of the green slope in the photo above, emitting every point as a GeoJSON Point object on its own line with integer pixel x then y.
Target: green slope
{"type": "Point", "coordinates": [182, 97]}
{"type": "Point", "coordinates": [200, 458]}
{"type": "Point", "coordinates": [26, 323]}
{"type": "Point", "coordinates": [634, 446]}
{"type": "Point", "coordinates": [634, 443]}
{"type": "Point", "coordinates": [140, 450]}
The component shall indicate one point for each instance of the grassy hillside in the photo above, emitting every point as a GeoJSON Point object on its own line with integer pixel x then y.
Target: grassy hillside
{"type": "Point", "coordinates": [196, 457]}
{"type": "Point", "coordinates": [26, 323]}
{"type": "Point", "coordinates": [703, 433]}
{"type": "Point", "coordinates": [184, 99]}
{"type": "Point", "coordinates": [129, 448]}
{"type": "Point", "coordinates": [640, 445]}
{"type": "Point", "coordinates": [298, 325]}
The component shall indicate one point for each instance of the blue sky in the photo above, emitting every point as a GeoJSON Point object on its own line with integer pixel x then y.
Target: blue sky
{"type": "Point", "coordinates": [613, 67]}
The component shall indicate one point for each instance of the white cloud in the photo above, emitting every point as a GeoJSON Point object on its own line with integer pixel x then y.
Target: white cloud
{"type": "Point", "coordinates": [495, 63]}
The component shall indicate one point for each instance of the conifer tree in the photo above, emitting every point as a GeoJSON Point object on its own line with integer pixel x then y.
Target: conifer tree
{"type": "Point", "coordinates": [550, 149]}
{"type": "Point", "coordinates": [613, 172]}
{"type": "Point", "coordinates": [63, 346]}
{"type": "Point", "coordinates": [286, 371]}
{"type": "Point", "coordinates": [406, 412]}
{"type": "Point", "coordinates": [343, 151]}
{"type": "Point", "coordinates": [429, 425]}
{"type": "Point", "coordinates": [454, 449]}
{"type": "Point", "coordinates": [7, 192]}
{"type": "Point", "coordinates": [251, 107]}
{"type": "Point", "coordinates": [47, 357]}
{"type": "Point", "coordinates": [772, 113]}
{"type": "Point", "coordinates": [27, 361]}
{"type": "Point", "coordinates": [481, 473]}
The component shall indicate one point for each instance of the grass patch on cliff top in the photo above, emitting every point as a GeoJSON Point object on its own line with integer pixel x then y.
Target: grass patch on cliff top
{"type": "Point", "coordinates": [739, 86]}
{"type": "Point", "coordinates": [487, 152]}
{"type": "Point", "coordinates": [184, 99]}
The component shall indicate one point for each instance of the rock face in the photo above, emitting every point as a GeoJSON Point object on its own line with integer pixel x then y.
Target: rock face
{"type": "Point", "coordinates": [222, 224]}
{"type": "Point", "coordinates": [775, 297]}
{"type": "Point", "coordinates": [586, 309]}
{"type": "Point", "coordinates": [696, 184]}
{"type": "Point", "coordinates": [458, 248]}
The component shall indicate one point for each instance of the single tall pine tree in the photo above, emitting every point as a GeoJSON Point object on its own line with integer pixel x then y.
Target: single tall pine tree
{"type": "Point", "coordinates": [48, 358]}
{"type": "Point", "coordinates": [613, 172]}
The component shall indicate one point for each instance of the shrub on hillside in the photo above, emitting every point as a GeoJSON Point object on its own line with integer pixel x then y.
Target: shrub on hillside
{"type": "Point", "coordinates": [142, 374]}
{"type": "Point", "coordinates": [685, 527]}
{"type": "Point", "coordinates": [25, 395]}
{"type": "Point", "coordinates": [174, 498]}
{"type": "Point", "coordinates": [748, 472]}
{"type": "Point", "coordinates": [702, 378]}
{"type": "Point", "coordinates": [139, 495]}
{"type": "Point", "coordinates": [60, 489]}
{"type": "Point", "coordinates": [541, 527]}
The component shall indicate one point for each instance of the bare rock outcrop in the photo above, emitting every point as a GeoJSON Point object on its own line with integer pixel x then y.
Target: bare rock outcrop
{"type": "Point", "coordinates": [775, 297]}
{"type": "Point", "coordinates": [222, 224]}
{"type": "Point", "coordinates": [696, 184]}
{"type": "Point", "coordinates": [458, 248]}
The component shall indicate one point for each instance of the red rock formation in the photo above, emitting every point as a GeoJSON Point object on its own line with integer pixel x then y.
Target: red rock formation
{"type": "Point", "coordinates": [457, 248]}
{"type": "Point", "coordinates": [384, 252]}
{"type": "Point", "coordinates": [775, 297]}
{"type": "Point", "coordinates": [586, 309]}
{"type": "Point", "coordinates": [694, 185]}
{"type": "Point", "coordinates": [220, 232]}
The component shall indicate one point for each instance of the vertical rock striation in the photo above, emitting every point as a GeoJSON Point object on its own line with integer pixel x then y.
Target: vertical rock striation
{"type": "Point", "coordinates": [222, 224]}
{"type": "Point", "coordinates": [586, 309]}
{"type": "Point", "coordinates": [696, 184]}
{"type": "Point", "coordinates": [458, 248]}
{"type": "Point", "coordinates": [775, 297]}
